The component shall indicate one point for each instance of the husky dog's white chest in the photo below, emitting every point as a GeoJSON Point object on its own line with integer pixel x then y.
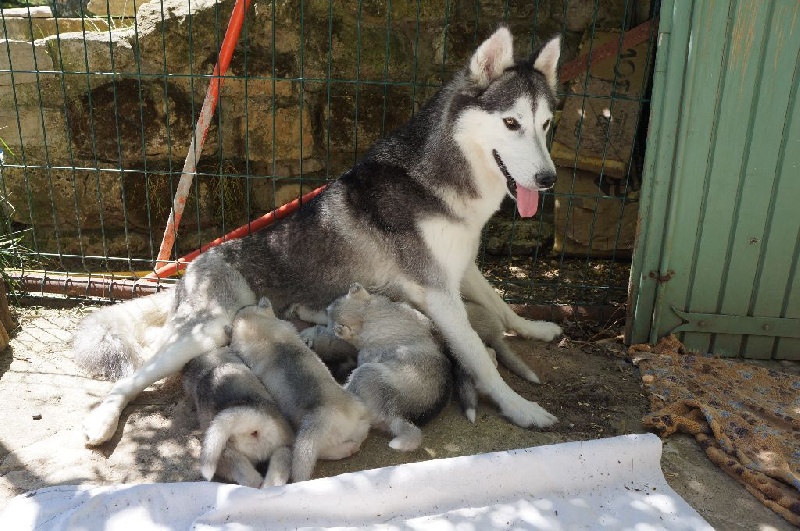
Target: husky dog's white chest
{"type": "Point", "coordinates": [452, 244]}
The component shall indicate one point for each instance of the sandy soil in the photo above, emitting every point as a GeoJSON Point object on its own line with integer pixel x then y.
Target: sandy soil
{"type": "Point", "coordinates": [589, 384]}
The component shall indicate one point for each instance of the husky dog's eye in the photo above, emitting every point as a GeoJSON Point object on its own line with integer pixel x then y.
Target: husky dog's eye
{"type": "Point", "coordinates": [546, 125]}
{"type": "Point", "coordinates": [511, 123]}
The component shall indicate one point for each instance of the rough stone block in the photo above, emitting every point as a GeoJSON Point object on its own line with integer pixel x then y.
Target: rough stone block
{"type": "Point", "coordinates": [25, 62]}
{"type": "Point", "coordinates": [92, 53]}
{"type": "Point", "coordinates": [275, 134]}
{"type": "Point", "coordinates": [27, 12]}
{"type": "Point", "coordinates": [25, 29]}
{"type": "Point", "coordinates": [105, 198]}
{"type": "Point", "coordinates": [40, 130]}
{"type": "Point", "coordinates": [130, 121]}
{"type": "Point", "coordinates": [114, 8]}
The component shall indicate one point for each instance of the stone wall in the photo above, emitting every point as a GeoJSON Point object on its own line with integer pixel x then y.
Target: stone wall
{"type": "Point", "coordinates": [97, 117]}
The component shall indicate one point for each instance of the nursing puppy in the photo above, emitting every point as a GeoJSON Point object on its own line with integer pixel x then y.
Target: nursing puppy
{"type": "Point", "coordinates": [492, 332]}
{"type": "Point", "coordinates": [242, 423]}
{"type": "Point", "coordinates": [330, 422]}
{"type": "Point", "coordinates": [403, 376]}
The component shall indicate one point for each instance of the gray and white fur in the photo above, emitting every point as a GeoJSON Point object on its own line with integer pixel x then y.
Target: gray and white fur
{"type": "Point", "coordinates": [403, 376]}
{"type": "Point", "coordinates": [406, 220]}
{"type": "Point", "coordinates": [243, 425]}
{"type": "Point", "coordinates": [492, 332]}
{"type": "Point", "coordinates": [117, 340]}
{"type": "Point", "coordinates": [334, 350]}
{"type": "Point", "coordinates": [329, 421]}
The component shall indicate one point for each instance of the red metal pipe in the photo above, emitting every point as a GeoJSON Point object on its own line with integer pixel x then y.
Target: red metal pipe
{"type": "Point", "coordinates": [201, 128]}
{"type": "Point", "coordinates": [257, 224]}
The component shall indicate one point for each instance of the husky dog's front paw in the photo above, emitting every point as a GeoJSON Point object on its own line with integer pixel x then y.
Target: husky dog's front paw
{"type": "Point", "coordinates": [542, 330]}
{"type": "Point", "coordinates": [101, 423]}
{"type": "Point", "coordinates": [529, 414]}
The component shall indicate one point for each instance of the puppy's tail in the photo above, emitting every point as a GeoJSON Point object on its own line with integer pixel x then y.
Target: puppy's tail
{"type": "Point", "coordinates": [222, 427]}
{"type": "Point", "coordinates": [114, 341]}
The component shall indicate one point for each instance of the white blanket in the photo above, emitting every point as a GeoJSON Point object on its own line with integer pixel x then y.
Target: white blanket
{"type": "Point", "coordinates": [611, 483]}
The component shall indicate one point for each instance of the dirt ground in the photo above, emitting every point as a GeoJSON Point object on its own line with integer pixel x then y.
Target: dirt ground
{"type": "Point", "coordinates": [587, 382]}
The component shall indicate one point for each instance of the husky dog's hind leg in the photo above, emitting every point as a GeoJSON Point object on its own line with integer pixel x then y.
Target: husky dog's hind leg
{"type": "Point", "coordinates": [206, 300]}
{"type": "Point", "coordinates": [114, 341]}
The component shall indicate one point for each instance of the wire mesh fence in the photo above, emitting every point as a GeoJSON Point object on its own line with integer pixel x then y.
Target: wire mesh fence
{"type": "Point", "coordinates": [99, 101]}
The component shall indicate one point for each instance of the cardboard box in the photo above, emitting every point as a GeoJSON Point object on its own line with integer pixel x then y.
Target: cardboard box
{"type": "Point", "coordinates": [602, 126]}
{"type": "Point", "coordinates": [592, 217]}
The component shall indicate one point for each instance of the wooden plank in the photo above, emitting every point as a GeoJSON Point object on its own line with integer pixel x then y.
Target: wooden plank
{"type": "Point", "coordinates": [782, 229]}
{"type": "Point", "coordinates": [704, 75]}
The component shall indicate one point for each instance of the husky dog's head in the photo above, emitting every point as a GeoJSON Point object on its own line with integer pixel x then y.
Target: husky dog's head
{"type": "Point", "coordinates": [508, 110]}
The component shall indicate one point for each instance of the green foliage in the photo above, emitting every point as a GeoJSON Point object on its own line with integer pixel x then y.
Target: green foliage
{"type": "Point", "coordinates": [14, 255]}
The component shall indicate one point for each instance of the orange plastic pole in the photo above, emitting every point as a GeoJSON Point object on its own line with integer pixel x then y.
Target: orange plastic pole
{"type": "Point", "coordinates": [257, 224]}
{"type": "Point", "coordinates": [201, 128]}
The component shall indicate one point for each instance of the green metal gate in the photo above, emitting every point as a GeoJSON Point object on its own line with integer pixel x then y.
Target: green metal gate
{"type": "Point", "coordinates": [716, 258]}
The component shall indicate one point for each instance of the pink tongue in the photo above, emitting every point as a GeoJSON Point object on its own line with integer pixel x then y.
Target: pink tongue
{"type": "Point", "coordinates": [527, 201]}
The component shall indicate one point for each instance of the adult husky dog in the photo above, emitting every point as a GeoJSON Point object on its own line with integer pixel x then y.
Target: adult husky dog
{"type": "Point", "coordinates": [405, 221]}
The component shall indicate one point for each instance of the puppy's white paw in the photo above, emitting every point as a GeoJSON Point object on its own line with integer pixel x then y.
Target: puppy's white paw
{"type": "Point", "coordinates": [309, 335]}
{"type": "Point", "coordinates": [531, 377]}
{"type": "Point", "coordinates": [470, 414]}
{"type": "Point", "coordinates": [405, 444]}
{"type": "Point", "coordinates": [207, 470]}
{"type": "Point", "coordinates": [542, 330]}
{"type": "Point", "coordinates": [291, 311]}
{"type": "Point", "coordinates": [101, 423]}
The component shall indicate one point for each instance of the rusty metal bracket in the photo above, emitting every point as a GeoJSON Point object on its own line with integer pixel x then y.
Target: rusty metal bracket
{"type": "Point", "coordinates": [737, 324]}
{"type": "Point", "coordinates": [662, 278]}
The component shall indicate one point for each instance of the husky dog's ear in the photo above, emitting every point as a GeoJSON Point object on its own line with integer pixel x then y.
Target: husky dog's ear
{"type": "Point", "coordinates": [342, 331]}
{"type": "Point", "coordinates": [545, 60]}
{"type": "Point", "coordinates": [263, 302]}
{"type": "Point", "coordinates": [492, 57]}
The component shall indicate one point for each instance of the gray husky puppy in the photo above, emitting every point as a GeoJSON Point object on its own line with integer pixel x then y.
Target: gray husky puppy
{"type": "Point", "coordinates": [243, 425]}
{"type": "Point", "coordinates": [406, 220]}
{"type": "Point", "coordinates": [403, 376]}
{"type": "Point", "coordinates": [330, 422]}
{"type": "Point", "coordinates": [492, 332]}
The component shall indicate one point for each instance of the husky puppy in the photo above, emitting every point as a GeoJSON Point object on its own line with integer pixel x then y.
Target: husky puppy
{"type": "Point", "coordinates": [406, 220]}
{"type": "Point", "coordinates": [403, 376]}
{"type": "Point", "coordinates": [330, 422]}
{"type": "Point", "coordinates": [492, 332]}
{"type": "Point", "coordinates": [332, 348]}
{"type": "Point", "coordinates": [242, 424]}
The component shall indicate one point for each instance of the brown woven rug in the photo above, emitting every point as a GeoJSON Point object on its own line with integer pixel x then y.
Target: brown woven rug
{"type": "Point", "coordinates": [746, 418]}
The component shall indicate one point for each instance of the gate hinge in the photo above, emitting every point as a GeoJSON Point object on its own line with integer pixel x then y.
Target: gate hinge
{"type": "Point", "coordinates": [662, 278]}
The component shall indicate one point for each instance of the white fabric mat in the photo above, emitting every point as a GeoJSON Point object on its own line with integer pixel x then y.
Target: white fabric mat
{"type": "Point", "coordinates": [613, 483]}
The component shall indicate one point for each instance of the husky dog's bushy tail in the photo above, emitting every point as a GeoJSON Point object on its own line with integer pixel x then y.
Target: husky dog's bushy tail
{"type": "Point", "coordinates": [114, 341]}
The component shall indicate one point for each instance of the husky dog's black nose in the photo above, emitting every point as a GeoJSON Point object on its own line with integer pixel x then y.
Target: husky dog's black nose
{"type": "Point", "coordinates": [545, 179]}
